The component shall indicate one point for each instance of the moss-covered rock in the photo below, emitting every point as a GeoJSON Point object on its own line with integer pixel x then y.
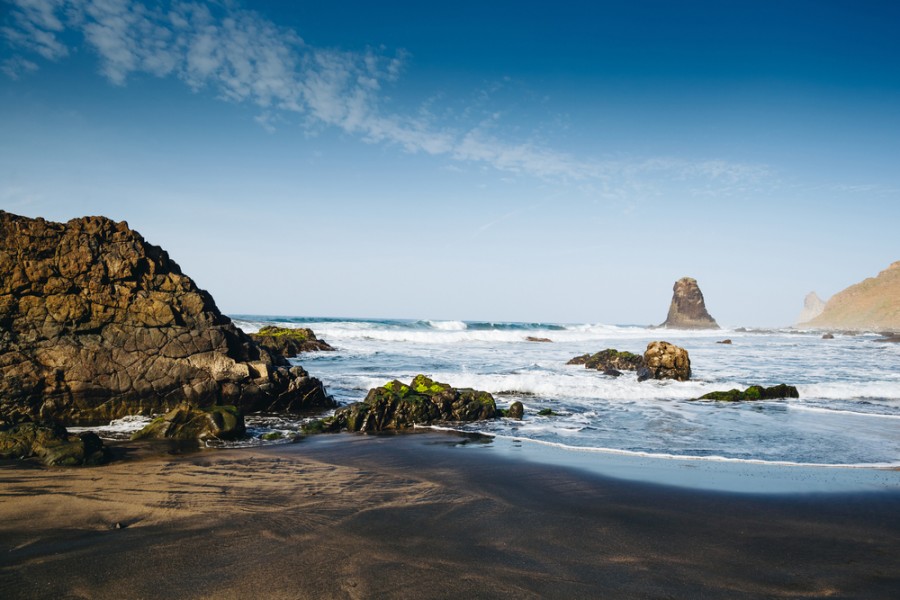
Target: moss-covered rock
{"type": "Point", "coordinates": [187, 422]}
{"type": "Point", "coordinates": [516, 410]}
{"type": "Point", "coordinates": [52, 444]}
{"type": "Point", "coordinates": [396, 405]}
{"type": "Point", "coordinates": [754, 392]}
{"type": "Point", "coordinates": [609, 359]}
{"type": "Point", "coordinates": [289, 342]}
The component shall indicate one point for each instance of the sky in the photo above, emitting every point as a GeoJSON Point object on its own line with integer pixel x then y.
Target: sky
{"type": "Point", "coordinates": [516, 161]}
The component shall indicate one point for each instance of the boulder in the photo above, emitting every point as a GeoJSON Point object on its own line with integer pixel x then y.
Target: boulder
{"type": "Point", "coordinates": [289, 342]}
{"type": "Point", "coordinates": [516, 410]}
{"type": "Point", "coordinates": [754, 392]}
{"type": "Point", "coordinates": [667, 361]}
{"type": "Point", "coordinates": [186, 422]}
{"type": "Point", "coordinates": [688, 309]}
{"type": "Point", "coordinates": [396, 405]}
{"type": "Point", "coordinates": [609, 359]}
{"type": "Point", "coordinates": [52, 444]}
{"type": "Point", "coordinates": [828, 336]}
{"type": "Point", "coordinates": [97, 324]}
{"type": "Point", "coordinates": [612, 373]}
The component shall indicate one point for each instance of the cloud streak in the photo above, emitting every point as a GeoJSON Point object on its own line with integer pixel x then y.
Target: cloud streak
{"type": "Point", "coordinates": [243, 57]}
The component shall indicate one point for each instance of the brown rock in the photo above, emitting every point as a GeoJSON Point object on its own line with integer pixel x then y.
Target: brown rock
{"type": "Point", "coordinates": [289, 342]}
{"type": "Point", "coordinates": [96, 324]}
{"type": "Point", "coordinates": [688, 310]}
{"type": "Point", "coordinates": [872, 304]}
{"type": "Point", "coordinates": [667, 361]}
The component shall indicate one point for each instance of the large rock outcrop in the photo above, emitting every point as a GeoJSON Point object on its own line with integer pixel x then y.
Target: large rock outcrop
{"type": "Point", "coordinates": [52, 444]}
{"type": "Point", "coordinates": [812, 308]}
{"type": "Point", "coordinates": [688, 309]}
{"type": "Point", "coordinates": [396, 405]}
{"type": "Point", "coordinates": [872, 304]}
{"type": "Point", "coordinates": [96, 324]}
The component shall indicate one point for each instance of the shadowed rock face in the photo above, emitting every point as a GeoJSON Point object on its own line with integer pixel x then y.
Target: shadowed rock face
{"type": "Point", "coordinates": [96, 324]}
{"type": "Point", "coordinates": [688, 310]}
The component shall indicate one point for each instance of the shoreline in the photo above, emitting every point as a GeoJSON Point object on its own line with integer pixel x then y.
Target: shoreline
{"type": "Point", "coordinates": [427, 514]}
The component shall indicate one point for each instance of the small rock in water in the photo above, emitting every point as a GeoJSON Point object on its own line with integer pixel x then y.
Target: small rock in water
{"type": "Point", "coordinates": [516, 410]}
{"type": "Point", "coordinates": [537, 339]}
{"type": "Point", "coordinates": [828, 336]}
{"type": "Point", "coordinates": [643, 374]}
{"type": "Point", "coordinates": [612, 372]}
{"type": "Point", "coordinates": [724, 342]}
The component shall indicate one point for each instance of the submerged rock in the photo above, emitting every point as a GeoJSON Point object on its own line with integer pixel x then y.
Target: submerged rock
{"type": "Point", "coordinates": [186, 422]}
{"type": "Point", "coordinates": [52, 444]}
{"type": "Point", "coordinates": [754, 392]}
{"type": "Point", "coordinates": [727, 342]}
{"type": "Point", "coordinates": [97, 324]}
{"type": "Point", "coordinates": [828, 336]}
{"type": "Point", "coordinates": [688, 309]}
{"type": "Point", "coordinates": [667, 361]}
{"type": "Point", "coordinates": [531, 338]}
{"type": "Point", "coordinates": [396, 405]}
{"type": "Point", "coordinates": [289, 342]}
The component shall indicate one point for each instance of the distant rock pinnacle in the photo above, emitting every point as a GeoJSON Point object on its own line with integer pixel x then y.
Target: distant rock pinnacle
{"type": "Point", "coordinates": [688, 310]}
{"type": "Point", "coordinates": [812, 308]}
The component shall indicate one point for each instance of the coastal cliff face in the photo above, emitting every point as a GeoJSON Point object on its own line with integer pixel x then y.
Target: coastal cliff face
{"type": "Point", "coordinates": [96, 324]}
{"type": "Point", "coordinates": [812, 308]}
{"type": "Point", "coordinates": [871, 304]}
{"type": "Point", "coordinates": [688, 309]}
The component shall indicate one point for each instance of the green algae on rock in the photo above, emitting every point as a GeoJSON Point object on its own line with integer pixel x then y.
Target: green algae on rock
{"type": "Point", "coordinates": [609, 359]}
{"type": "Point", "coordinates": [754, 392]}
{"type": "Point", "coordinates": [289, 342]}
{"type": "Point", "coordinates": [52, 444]}
{"type": "Point", "coordinates": [396, 405]}
{"type": "Point", "coordinates": [186, 422]}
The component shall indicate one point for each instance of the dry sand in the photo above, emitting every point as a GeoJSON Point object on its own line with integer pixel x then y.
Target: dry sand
{"type": "Point", "coordinates": [415, 516]}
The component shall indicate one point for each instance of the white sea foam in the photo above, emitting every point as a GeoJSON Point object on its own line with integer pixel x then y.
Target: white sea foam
{"type": "Point", "coordinates": [448, 325]}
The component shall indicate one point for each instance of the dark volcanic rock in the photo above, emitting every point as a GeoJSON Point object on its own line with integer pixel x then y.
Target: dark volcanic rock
{"type": "Point", "coordinates": [396, 405]}
{"type": "Point", "coordinates": [609, 359]}
{"type": "Point", "coordinates": [96, 324]}
{"type": "Point", "coordinates": [688, 310]}
{"type": "Point", "coordinates": [516, 410]}
{"type": "Point", "coordinates": [52, 444]}
{"type": "Point", "coordinates": [612, 373]}
{"type": "Point", "coordinates": [289, 342]}
{"type": "Point", "coordinates": [889, 338]}
{"type": "Point", "coordinates": [643, 374]}
{"type": "Point", "coordinates": [667, 361]}
{"type": "Point", "coordinates": [828, 336]}
{"type": "Point", "coordinates": [754, 392]}
{"type": "Point", "coordinates": [185, 422]}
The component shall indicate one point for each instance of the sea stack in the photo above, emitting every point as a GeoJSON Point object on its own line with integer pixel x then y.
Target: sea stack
{"type": "Point", "coordinates": [870, 305]}
{"type": "Point", "coordinates": [688, 310]}
{"type": "Point", "coordinates": [97, 324]}
{"type": "Point", "coordinates": [812, 308]}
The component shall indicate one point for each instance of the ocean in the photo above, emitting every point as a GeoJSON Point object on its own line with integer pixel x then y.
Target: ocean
{"type": "Point", "coordinates": [848, 413]}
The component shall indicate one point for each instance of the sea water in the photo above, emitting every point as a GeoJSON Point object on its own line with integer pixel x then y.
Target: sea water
{"type": "Point", "coordinates": [848, 413]}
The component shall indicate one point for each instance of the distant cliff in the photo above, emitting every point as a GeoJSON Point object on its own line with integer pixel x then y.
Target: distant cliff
{"type": "Point", "coordinates": [688, 309]}
{"type": "Point", "coordinates": [96, 324]}
{"type": "Point", "coordinates": [871, 304]}
{"type": "Point", "coordinates": [812, 308]}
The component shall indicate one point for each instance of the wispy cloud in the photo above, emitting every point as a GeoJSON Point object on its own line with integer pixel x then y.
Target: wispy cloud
{"type": "Point", "coordinates": [243, 57]}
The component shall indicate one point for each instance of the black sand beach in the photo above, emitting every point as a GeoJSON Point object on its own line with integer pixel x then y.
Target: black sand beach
{"type": "Point", "coordinates": [423, 515]}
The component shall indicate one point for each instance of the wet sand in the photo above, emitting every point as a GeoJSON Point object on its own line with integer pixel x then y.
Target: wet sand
{"type": "Point", "coordinates": [423, 516]}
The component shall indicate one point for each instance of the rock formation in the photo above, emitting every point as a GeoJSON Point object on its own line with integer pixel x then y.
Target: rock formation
{"type": "Point", "coordinates": [96, 324]}
{"type": "Point", "coordinates": [872, 304]}
{"type": "Point", "coordinates": [289, 342]}
{"type": "Point", "coordinates": [185, 422]}
{"type": "Point", "coordinates": [688, 310]}
{"type": "Point", "coordinates": [398, 406]}
{"type": "Point", "coordinates": [52, 444]}
{"type": "Point", "coordinates": [754, 392]}
{"type": "Point", "coordinates": [812, 308]}
{"type": "Point", "coordinates": [661, 360]}
{"type": "Point", "coordinates": [667, 361]}
{"type": "Point", "coordinates": [609, 359]}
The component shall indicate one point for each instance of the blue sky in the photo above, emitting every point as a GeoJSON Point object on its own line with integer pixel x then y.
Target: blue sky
{"type": "Point", "coordinates": [518, 161]}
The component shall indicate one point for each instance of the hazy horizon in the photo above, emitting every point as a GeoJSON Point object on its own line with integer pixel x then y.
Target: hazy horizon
{"type": "Point", "coordinates": [511, 162]}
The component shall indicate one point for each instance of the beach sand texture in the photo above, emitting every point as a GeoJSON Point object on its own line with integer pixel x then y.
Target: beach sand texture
{"type": "Point", "coordinates": [418, 516]}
